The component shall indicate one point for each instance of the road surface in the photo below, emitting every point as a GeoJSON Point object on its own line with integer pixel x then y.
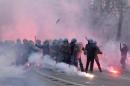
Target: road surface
{"type": "Point", "coordinates": [48, 77]}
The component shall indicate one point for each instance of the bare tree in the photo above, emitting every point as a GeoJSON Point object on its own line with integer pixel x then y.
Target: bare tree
{"type": "Point", "coordinates": [115, 7]}
{"type": "Point", "coordinates": [120, 21]}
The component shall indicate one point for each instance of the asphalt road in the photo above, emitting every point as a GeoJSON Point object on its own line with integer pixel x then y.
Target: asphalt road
{"type": "Point", "coordinates": [101, 79]}
{"type": "Point", "coordinates": [48, 77]}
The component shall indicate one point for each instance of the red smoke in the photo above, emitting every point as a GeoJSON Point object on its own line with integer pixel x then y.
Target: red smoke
{"type": "Point", "coordinates": [25, 29]}
{"type": "Point", "coordinates": [39, 18]}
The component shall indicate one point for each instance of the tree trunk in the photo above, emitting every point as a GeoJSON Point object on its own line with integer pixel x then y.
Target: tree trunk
{"type": "Point", "coordinates": [120, 23]}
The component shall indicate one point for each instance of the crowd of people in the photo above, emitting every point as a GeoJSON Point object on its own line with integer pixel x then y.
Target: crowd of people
{"type": "Point", "coordinates": [60, 50]}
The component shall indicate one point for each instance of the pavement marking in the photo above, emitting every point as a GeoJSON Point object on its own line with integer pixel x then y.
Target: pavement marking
{"type": "Point", "coordinates": [59, 79]}
{"type": "Point", "coordinates": [67, 82]}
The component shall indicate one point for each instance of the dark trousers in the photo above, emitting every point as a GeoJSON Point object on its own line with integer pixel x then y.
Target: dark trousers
{"type": "Point", "coordinates": [90, 61]}
{"type": "Point", "coordinates": [67, 60]}
{"type": "Point", "coordinates": [81, 65]}
{"type": "Point", "coordinates": [75, 63]}
{"type": "Point", "coordinates": [98, 64]}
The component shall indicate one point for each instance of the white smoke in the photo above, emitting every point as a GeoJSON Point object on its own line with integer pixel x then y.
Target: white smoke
{"type": "Point", "coordinates": [36, 58]}
{"type": "Point", "coordinates": [11, 71]}
{"type": "Point", "coordinates": [49, 63]}
{"type": "Point", "coordinates": [7, 64]}
{"type": "Point", "coordinates": [111, 55]}
{"type": "Point", "coordinates": [27, 18]}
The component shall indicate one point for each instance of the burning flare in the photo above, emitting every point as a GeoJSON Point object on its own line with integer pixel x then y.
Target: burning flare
{"type": "Point", "coordinates": [88, 75]}
{"type": "Point", "coordinates": [114, 70]}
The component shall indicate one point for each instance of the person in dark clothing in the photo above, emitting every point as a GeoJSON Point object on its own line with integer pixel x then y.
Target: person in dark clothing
{"type": "Point", "coordinates": [53, 49]}
{"type": "Point", "coordinates": [45, 47]}
{"type": "Point", "coordinates": [72, 45]}
{"type": "Point", "coordinates": [90, 51]}
{"type": "Point", "coordinates": [22, 51]}
{"type": "Point", "coordinates": [96, 57]}
{"type": "Point", "coordinates": [65, 50]}
{"type": "Point", "coordinates": [38, 42]}
{"type": "Point", "coordinates": [32, 47]}
{"type": "Point", "coordinates": [19, 52]}
{"type": "Point", "coordinates": [59, 50]}
{"type": "Point", "coordinates": [124, 50]}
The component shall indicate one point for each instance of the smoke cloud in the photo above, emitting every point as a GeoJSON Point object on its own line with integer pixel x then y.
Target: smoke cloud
{"type": "Point", "coordinates": [27, 18]}
{"type": "Point", "coordinates": [50, 19]}
{"type": "Point", "coordinates": [49, 63]}
{"type": "Point", "coordinates": [7, 61]}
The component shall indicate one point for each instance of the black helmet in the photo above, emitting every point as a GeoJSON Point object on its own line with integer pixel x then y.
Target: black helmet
{"type": "Point", "coordinates": [90, 41]}
{"type": "Point", "coordinates": [74, 40]}
{"type": "Point", "coordinates": [65, 40]}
